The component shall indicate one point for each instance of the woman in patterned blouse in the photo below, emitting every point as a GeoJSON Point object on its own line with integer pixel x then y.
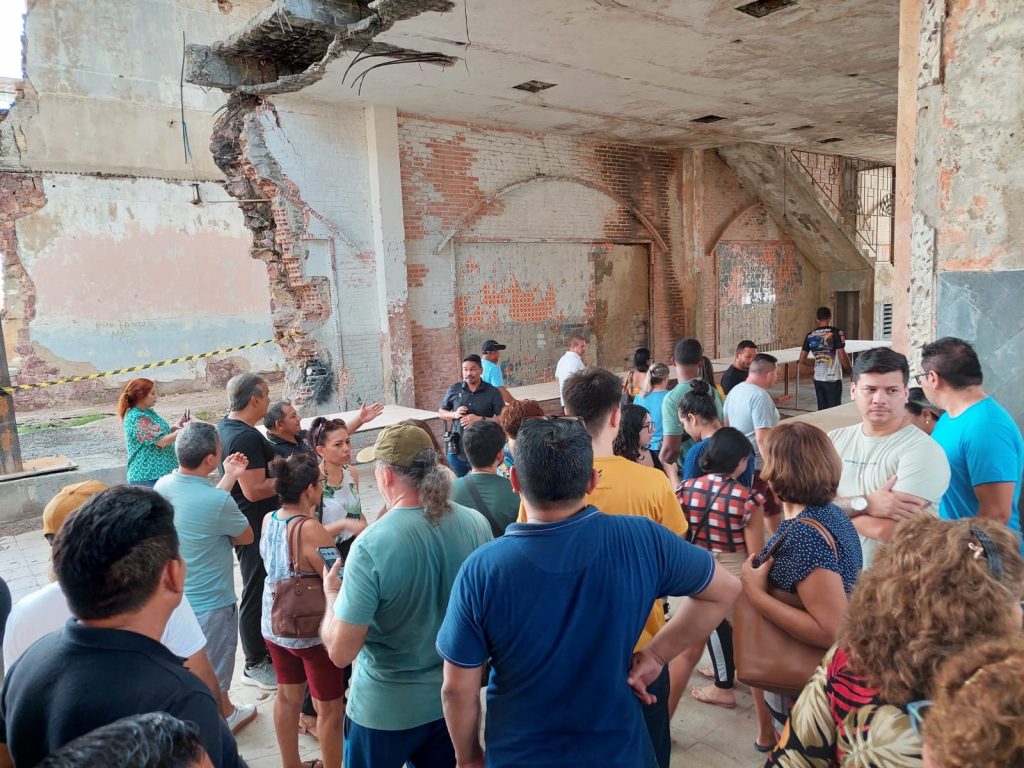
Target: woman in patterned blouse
{"type": "Point", "coordinates": [935, 589]}
{"type": "Point", "coordinates": [149, 439]}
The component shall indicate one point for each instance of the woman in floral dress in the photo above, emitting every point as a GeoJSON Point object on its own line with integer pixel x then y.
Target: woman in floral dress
{"type": "Point", "coordinates": [935, 589]}
{"type": "Point", "coordinates": [342, 511]}
{"type": "Point", "coordinates": [149, 439]}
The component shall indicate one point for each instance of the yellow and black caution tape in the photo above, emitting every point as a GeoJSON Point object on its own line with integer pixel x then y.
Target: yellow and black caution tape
{"type": "Point", "coordinates": [133, 368]}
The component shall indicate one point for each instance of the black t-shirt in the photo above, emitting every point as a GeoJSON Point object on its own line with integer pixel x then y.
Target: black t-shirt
{"type": "Point", "coordinates": [238, 437]}
{"type": "Point", "coordinates": [81, 678]}
{"type": "Point", "coordinates": [486, 401]}
{"type": "Point", "coordinates": [284, 449]}
{"type": "Point", "coordinates": [732, 377]}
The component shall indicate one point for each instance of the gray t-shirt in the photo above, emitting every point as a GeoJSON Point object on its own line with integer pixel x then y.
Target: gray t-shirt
{"type": "Point", "coordinates": [749, 408]}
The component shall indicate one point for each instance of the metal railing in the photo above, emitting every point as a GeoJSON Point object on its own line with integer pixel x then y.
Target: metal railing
{"type": "Point", "coordinates": [861, 196]}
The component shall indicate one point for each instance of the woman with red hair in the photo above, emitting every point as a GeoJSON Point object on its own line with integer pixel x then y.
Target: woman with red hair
{"type": "Point", "coordinates": [149, 438]}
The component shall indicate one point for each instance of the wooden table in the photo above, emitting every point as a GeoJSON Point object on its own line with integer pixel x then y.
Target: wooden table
{"type": "Point", "coordinates": [831, 418]}
{"type": "Point", "coordinates": [791, 355]}
{"type": "Point", "coordinates": [547, 390]}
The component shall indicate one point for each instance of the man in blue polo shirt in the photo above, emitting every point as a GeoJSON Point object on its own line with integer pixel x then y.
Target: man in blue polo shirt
{"type": "Point", "coordinates": [981, 439]}
{"type": "Point", "coordinates": [118, 563]}
{"type": "Point", "coordinates": [492, 371]}
{"type": "Point", "coordinates": [571, 584]}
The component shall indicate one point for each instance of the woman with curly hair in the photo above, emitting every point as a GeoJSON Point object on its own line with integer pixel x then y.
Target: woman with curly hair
{"type": "Point", "coordinates": [512, 417]}
{"type": "Point", "coordinates": [635, 432]}
{"type": "Point", "coordinates": [977, 718]}
{"type": "Point", "coordinates": [934, 590]}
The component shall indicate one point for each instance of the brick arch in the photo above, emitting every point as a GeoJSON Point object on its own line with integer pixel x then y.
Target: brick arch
{"type": "Point", "coordinates": [471, 213]}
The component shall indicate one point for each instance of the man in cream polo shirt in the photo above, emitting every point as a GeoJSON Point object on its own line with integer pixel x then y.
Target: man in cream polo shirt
{"type": "Point", "coordinates": [892, 470]}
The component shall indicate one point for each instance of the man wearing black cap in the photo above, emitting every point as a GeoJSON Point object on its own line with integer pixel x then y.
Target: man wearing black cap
{"type": "Point", "coordinates": [492, 371]}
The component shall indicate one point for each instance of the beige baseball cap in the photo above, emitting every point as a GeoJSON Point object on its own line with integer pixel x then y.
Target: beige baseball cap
{"type": "Point", "coordinates": [68, 499]}
{"type": "Point", "coordinates": [397, 445]}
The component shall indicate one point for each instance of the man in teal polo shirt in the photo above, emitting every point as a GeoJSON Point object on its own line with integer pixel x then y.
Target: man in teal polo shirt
{"type": "Point", "coordinates": [393, 597]}
{"type": "Point", "coordinates": [675, 443]}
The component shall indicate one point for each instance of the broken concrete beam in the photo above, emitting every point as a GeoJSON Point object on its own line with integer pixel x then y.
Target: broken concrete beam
{"type": "Point", "coordinates": [286, 20]}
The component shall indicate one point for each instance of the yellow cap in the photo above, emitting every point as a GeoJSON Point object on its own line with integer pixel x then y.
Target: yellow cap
{"type": "Point", "coordinates": [396, 445]}
{"type": "Point", "coordinates": [67, 500]}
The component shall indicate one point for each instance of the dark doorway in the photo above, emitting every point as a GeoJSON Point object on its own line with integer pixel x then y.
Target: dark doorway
{"type": "Point", "coordinates": [847, 314]}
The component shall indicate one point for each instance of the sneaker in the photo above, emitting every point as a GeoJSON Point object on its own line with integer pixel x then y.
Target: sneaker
{"type": "Point", "coordinates": [240, 718]}
{"type": "Point", "coordinates": [261, 675]}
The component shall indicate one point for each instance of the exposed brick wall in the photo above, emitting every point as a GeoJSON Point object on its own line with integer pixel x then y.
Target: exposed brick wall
{"type": "Point", "coordinates": [593, 195]}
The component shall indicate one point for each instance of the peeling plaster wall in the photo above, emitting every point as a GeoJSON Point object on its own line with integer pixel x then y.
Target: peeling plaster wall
{"type": "Point", "coordinates": [763, 287]}
{"type": "Point", "coordinates": [591, 193]}
{"type": "Point", "coordinates": [102, 82]}
{"type": "Point", "coordinates": [967, 223]}
{"type": "Point", "coordinates": [116, 267]}
{"type": "Point", "coordinates": [320, 156]}
{"type": "Point", "coordinates": [127, 271]}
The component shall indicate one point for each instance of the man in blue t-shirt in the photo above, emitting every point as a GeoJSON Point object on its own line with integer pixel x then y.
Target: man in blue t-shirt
{"type": "Point", "coordinates": [492, 371]}
{"type": "Point", "coordinates": [980, 438]}
{"type": "Point", "coordinates": [556, 607]}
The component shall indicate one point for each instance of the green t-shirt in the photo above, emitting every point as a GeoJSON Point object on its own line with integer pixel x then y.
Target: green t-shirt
{"type": "Point", "coordinates": [502, 502]}
{"type": "Point", "coordinates": [670, 407]}
{"type": "Point", "coordinates": [397, 580]}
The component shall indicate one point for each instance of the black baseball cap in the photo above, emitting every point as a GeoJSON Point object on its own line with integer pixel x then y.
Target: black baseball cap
{"type": "Point", "coordinates": [491, 346]}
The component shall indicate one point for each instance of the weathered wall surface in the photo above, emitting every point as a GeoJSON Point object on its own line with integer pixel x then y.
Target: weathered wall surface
{"type": "Point", "coordinates": [127, 271]}
{"type": "Point", "coordinates": [764, 288]}
{"type": "Point", "coordinates": [102, 85]}
{"type": "Point", "coordinates": [967, 225]}
{"type": "Point", "coordinates": [467, 187]}
{"type": "Point", "coordinates": [109, 264]}
{"type": "Point", "coordinates": [311, 160]}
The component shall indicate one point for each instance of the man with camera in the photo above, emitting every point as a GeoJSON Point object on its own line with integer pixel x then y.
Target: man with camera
{"type": "Point", "coordinates": [467, 402]}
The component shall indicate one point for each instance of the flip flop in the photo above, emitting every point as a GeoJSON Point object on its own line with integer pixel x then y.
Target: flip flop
{"type": "Point", "coordinates": [762, 748]}
{"type": "Point", "coordinates": [699, 695]}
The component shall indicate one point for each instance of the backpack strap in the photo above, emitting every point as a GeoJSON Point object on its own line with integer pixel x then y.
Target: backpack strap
{"type": "Point", "coordinates": [481, 505]}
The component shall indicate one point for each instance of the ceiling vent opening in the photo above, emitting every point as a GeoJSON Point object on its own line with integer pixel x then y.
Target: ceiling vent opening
{"type": "Point", "coordinates": [833, 140]}
{"type": "Point", "coordinates": [761, 8]}
{"type": "Point", "coordinates": [707, 119]}
{"type": "Point", "coordinates": [534, 86]}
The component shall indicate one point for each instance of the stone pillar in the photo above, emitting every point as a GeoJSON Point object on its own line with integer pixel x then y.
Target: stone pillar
{"type": "Point", "coordinates": [389, 249]}
{"type": "Point", "coordinates": [960, 215]}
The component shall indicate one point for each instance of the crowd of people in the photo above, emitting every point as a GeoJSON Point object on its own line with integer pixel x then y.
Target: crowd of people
{"type": "Point", "coordinates": [865, 583]}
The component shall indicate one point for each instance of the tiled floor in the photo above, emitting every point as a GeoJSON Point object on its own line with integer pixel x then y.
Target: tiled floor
{"type": "Point", "coordinates": [702, 735]}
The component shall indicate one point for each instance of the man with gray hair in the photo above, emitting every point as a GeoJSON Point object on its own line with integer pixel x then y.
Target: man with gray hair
{"type": "Point", "coordinates": [285, 432]}
{"type": "Point", "coordinates": [209, 522]}
{"type": "Point", "coordinates": [253, 491]}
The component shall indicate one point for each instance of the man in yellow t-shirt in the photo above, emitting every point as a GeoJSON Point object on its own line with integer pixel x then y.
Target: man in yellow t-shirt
{"type": "Point", "coordinates": [626, 488]}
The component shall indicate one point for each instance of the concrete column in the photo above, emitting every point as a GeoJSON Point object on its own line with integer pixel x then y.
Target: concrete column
{"type": "Point", "coordinates": [960, 140]}
{"type": "Point", "coordinates": [389, 249]}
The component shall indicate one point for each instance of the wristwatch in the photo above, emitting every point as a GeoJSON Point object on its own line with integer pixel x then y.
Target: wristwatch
{"type": "Point", "coordinates": [859, 504]}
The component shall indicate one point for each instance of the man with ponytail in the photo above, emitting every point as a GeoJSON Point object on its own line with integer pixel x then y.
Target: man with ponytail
{"type": "Point", "coordinates": [388, 608]}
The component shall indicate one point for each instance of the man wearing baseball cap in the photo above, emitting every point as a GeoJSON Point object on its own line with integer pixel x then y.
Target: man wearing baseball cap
{"type": "Point", "coordinates": [389, 606]}
{"type": "Point", "coordinates": [492, 371]}
{"type": "Point", "coordinates": [46, 610]}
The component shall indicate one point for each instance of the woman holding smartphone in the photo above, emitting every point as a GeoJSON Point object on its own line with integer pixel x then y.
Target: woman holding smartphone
{"type": "Point", "coordinates": [299, 660]}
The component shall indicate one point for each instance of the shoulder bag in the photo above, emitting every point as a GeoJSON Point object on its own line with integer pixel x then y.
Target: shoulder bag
{"type": "Point", "coordinates": [481, 506]}
{"type": "Point", "coordinates": [298, 602]}
{"type": "Point", "coordinates": [766, 655]}
{"type": "Point", "coordinates": [691, 533]}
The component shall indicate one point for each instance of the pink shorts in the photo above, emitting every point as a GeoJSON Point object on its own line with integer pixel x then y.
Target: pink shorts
{"type": "Point", "coordinates": [308, 665]}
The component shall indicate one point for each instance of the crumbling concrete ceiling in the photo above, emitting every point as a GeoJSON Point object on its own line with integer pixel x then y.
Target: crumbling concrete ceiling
{"type": "Point", "coordinates": [641, 71]}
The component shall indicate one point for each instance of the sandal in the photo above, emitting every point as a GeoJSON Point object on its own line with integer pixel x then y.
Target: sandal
{"type": "Point", "coordinates": [699, 694]}
{"type": "Point", "coordinates": [307, 725]}
{"type": "Point", "coordinates": [762, 748]}
{"type": "Point", "coordinates": [314, 763]}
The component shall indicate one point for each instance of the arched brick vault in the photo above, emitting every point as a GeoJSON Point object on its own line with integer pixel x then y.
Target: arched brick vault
{"type": "Point", "coordinates": [642, 231]}
{"type": "Point", "coordinates": [471, 213]}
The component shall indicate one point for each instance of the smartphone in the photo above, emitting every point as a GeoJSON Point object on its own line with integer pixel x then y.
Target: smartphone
{"type": "Point", "coordinates": [329, 555]}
